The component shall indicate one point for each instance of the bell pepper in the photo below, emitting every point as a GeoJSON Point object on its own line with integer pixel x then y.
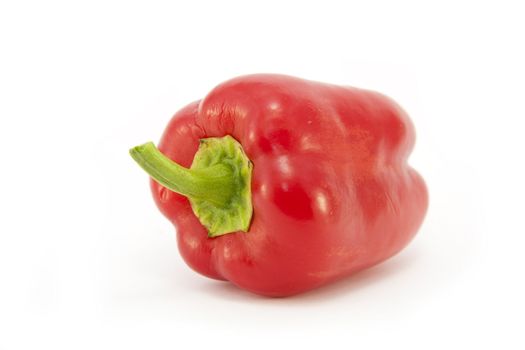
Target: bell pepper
{"type": "Point", "coordinates": [281, 185]}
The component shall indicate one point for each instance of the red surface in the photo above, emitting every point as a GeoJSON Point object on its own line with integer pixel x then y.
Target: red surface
{"type": "Point", "coordinates": [332, 192]}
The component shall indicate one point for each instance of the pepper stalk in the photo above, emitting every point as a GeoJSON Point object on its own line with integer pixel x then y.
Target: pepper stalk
{"type": "Point", "coordinates": [218, 183]}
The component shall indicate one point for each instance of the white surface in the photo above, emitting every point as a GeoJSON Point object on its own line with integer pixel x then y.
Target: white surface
{"type": "Point", "coordinates": [87, 261]}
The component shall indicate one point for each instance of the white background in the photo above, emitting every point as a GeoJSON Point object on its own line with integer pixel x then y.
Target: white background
{"type": "Point", "coordinates": [87, 261]}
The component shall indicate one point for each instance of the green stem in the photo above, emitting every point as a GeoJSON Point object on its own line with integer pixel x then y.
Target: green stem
{"type": "Point", "coordinates": [214, 183]}
{"type": "Point", "coordinates": [218, 184]}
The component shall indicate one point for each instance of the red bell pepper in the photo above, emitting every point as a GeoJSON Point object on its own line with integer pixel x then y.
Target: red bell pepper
{"type": "Point", "coordinates": [281, 185]}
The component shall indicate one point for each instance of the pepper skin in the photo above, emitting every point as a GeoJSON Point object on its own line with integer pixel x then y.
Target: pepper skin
{"type": "Point", "coordinates": [331, 189]}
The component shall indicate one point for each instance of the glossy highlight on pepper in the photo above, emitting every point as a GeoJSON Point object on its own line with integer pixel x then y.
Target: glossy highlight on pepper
{"type": "Point", "coordinates": [281, 185]}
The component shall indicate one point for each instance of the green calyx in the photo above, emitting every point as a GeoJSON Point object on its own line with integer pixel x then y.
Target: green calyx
{"type": "Point", "coordinates": [218, 183]}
